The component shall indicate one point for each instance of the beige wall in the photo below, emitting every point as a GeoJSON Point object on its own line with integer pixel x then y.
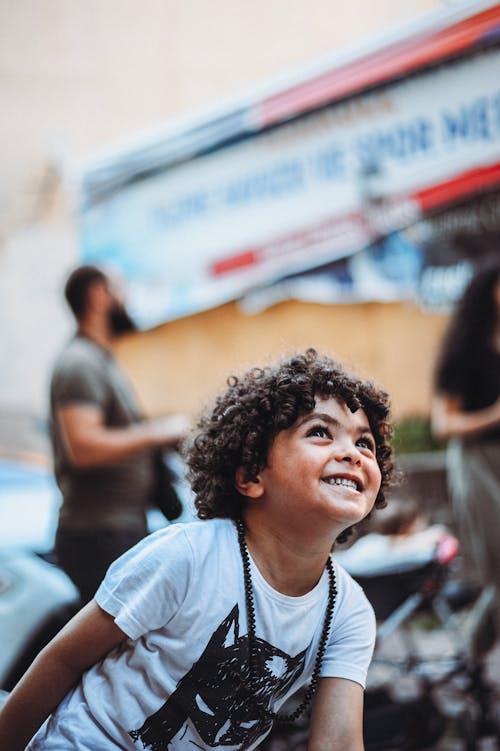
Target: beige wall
{"type": "Point", "coordinates": [183, 363]}
{"type": "Point", "coordinates": [76, 77]}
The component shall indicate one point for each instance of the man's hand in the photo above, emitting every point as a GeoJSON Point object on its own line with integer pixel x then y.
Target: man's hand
{"type": "Point", "coordinates": [169, 431]}
{"type": "Point", "coordinates": [90, 443]}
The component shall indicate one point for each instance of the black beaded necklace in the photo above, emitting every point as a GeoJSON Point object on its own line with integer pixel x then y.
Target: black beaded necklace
{"type": "Point", "coordinates": [332, 594]}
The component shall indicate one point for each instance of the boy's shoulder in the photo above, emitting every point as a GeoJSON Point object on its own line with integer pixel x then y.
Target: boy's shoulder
{"type": "Point", "coordinates": [349, 590]}
{"type": "Point", "coordinates": [201, 535]}
{"type": "Point", "coordinates": [180, 548]}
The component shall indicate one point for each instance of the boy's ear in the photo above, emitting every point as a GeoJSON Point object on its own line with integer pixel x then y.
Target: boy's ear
{"type": "Point", "coordinates": [250, 488]}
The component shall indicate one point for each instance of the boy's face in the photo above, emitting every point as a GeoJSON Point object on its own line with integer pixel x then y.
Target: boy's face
{"type": "Point", "coordinates": [323, 468]}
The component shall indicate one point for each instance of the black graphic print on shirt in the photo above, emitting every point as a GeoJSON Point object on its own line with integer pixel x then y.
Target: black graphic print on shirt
{"type": "Point", "coordinates": [216, 697]}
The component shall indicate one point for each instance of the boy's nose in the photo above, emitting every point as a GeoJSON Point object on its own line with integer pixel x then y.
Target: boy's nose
{"type": "Point", "coordinates": [348, 453]}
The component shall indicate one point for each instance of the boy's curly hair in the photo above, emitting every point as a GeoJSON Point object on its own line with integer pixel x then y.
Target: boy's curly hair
{"type": "Point", "coordinates": [241, 427]}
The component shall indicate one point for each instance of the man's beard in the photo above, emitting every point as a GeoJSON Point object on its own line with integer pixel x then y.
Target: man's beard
{"type": "Point", "coordinates": [120, 321]}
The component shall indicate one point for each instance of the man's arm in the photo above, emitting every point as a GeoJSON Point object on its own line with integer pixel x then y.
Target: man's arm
{"type": "Point", "coordinates": [449, 419]}
{"type": "Point", "coordinates": [337, 716]}
{"type": "Point", "coordinates": [91, 443]}
{"type": "Point", "coordinates": [86, 639]}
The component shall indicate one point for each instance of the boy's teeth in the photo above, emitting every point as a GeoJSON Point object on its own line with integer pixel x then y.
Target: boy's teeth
{"type": "Point", "coordinates": [341, 481]}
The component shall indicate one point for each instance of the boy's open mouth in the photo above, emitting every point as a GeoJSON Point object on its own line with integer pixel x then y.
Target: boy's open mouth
{"type": "Point", "coordinates": [347, 482]}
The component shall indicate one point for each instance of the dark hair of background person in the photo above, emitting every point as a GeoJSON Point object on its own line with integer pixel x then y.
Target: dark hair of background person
{"type": "Point", "coordinates": [471, 325]}
{"type": "Point", "coordinates": [78, 284]}
{"type": "Point", "coordinates": [255, 407]}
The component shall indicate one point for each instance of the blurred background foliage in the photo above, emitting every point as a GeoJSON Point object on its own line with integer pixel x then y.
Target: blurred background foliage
{"type": "Point", "coordinates": [412, 434]}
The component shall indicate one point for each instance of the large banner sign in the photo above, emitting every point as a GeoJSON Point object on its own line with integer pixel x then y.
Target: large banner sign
{"type": "Point", "coordinates": [303, 194]}
{"type": "Point", "coordinates": [429, 262]}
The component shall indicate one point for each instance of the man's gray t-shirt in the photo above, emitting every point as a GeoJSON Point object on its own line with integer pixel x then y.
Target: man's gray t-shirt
{"type": "Point", "coordinates": [112, 496]}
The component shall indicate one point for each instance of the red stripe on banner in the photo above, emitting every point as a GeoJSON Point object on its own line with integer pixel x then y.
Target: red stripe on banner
{"type": "Point", "coordinates": [473, 181]}
{"type": "Point", "coordinates": [331, 230]}
{"type": "Point", "coordinates": [394, 61]}
{"type": "Point", "coordinates": [233, 263]}
{"type": "Point", "coordinates": [393, 214]}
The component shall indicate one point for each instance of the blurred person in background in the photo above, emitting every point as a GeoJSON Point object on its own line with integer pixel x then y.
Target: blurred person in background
{"type": "Point", "coordinates": [466, 410]}
{"type": "Point", "coordinates": [103, 448]}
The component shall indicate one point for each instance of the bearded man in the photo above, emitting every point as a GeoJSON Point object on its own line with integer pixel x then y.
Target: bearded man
{"type": "Point", "coordinates": [103, 448]}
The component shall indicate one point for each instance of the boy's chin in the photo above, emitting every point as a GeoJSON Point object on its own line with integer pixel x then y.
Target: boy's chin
{"type": "Point", "coordinates": [352, 513]}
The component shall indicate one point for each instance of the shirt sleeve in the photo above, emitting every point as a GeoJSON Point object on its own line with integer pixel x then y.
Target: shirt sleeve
{"type": "Point", "coordinates": [352, 638]}
{"type": "Point", "coordinates": [144, 588]}
{"type": "Point", "coordinates": [79, 381]}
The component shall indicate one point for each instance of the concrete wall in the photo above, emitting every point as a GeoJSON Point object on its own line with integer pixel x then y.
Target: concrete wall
{"type": "Point", "coordinates": [77, 77]}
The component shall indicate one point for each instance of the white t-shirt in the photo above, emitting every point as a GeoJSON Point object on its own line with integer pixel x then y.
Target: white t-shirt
{"type": "Point", "coordinates": [179, 681]}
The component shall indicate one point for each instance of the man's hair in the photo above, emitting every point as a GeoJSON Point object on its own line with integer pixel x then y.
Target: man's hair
{"type": "Point", "coordinates": [78, 284]}
{"type": "Point", "coordinates": [239, 430]}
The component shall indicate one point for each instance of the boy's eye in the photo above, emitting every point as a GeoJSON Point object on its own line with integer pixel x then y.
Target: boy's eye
{"type": "Point", "coordinates": [366, 442]}
{"type": "Point", "coordinates": [321, 431]}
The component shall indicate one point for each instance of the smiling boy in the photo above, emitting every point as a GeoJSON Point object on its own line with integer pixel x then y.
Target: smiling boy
{"type": "Point", "coordinates": [200, 634]}
{"type": "Point", "coordinates": [322, 475]}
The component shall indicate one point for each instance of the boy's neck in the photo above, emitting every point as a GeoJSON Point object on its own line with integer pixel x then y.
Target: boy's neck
{"type": "Point", "coordinates": [289, 563]}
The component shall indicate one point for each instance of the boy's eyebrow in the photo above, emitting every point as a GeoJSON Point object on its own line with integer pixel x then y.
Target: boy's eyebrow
{"type": "Point", "coordinates": [311, 416]}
